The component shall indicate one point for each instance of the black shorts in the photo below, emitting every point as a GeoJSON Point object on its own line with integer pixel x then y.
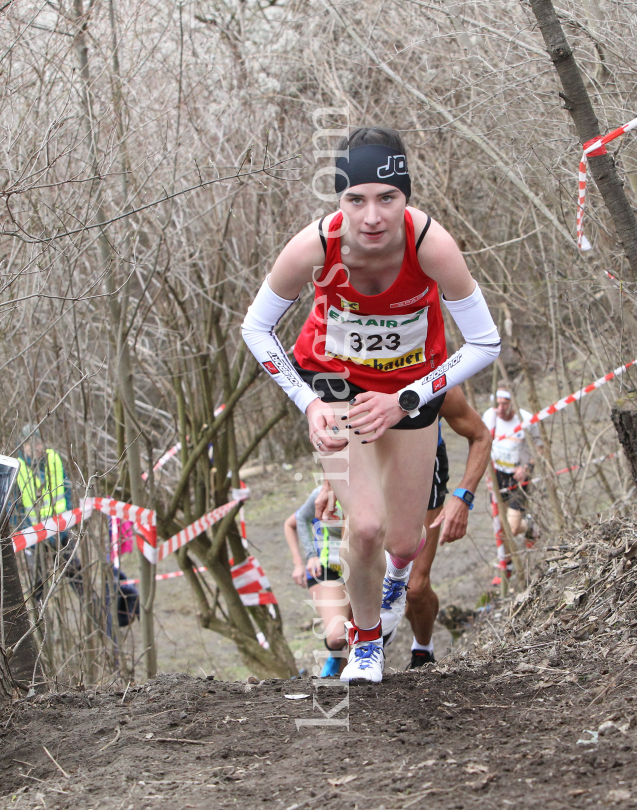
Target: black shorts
{"type": "Point", "coordinates": [333, 388]}
{"type": "Point", "coordinates": [329, 574]}
{"type": "Point", "coordinates": [441, 478]}
{"type": "Point", "coordinates": [517, 498]}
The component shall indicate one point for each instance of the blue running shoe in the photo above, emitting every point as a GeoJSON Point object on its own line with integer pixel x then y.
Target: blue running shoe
{"type": "Point", "coordinates": [394, 601]}
{"type": "Point", "coordinates": [330, 667]}
{"type": "Point", "coordinates": [366, 662]}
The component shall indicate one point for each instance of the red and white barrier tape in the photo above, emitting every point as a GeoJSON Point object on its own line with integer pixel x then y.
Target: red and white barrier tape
{"type": "Point", "coordinates": [562, 403]}
{"type": "Point", "coordinates": [42, 531]}
{"type": "Point", "coordinates": [204, 522]}
{"type": "Point", "coordinates": [248, 577]}
{"type": "Point", "coordinates": [194, 530]}
{"type": "Point", "coordinates": [175, 449]}
{"type": "Point", "coordinates": [560, 472]}
{"type": "Point", "coordinates": [166, 457]}
{"type": "Point", "coordinates": [145, 521]}
{"type": "Point", "coordinates": [159, 577]}
{"type": "Point", "coordinates": [592, 148]}
{"type": "Point", "coordinates": [124, 511]}
{"type": "Point", "coordinates": [251, 583]}
{"type": "Point", "coordinates": [498, 531]}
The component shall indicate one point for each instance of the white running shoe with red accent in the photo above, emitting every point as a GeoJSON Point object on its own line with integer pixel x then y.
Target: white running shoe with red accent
{"type": "Point", "coordinates": [366, 663]}
{"type": "Point", "coordinates": [367, 658]}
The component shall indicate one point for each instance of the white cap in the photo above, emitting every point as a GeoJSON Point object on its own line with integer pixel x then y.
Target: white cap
{"type": "Point", "coordinates": [502, 394]}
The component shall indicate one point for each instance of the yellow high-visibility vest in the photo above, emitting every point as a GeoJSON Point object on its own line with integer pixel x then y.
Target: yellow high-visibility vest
{"type": "Point", "coordinates": [43, 500]}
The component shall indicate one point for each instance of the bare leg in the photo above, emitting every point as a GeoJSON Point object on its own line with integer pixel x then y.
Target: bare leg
{"type": "Point", "coordinates": [422, 602]}
{"type": "Point", "coordinates": [331, 604]}
{"type": "Point", "coordinates": [329, 598]}
{"type": "Point", "coordinates": [514, 516]}
{"type": "Point", "coordinates": [382, 497]}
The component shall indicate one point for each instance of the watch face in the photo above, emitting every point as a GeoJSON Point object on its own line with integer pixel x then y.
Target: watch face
{"type": "Point", "coordinates": [409, 400]}
{"type": "Point", "coordinates": [468, 496]}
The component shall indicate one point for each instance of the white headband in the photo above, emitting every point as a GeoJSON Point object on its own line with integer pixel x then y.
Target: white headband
{"type": "Point", "coordinates": [502, 394]}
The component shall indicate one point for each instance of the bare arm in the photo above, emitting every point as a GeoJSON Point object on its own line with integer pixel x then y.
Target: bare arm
{"type": "Point", "coordinates": [440, 257]}
{"type": "Point", "coordinates": [296, 263]}
{"type": "Point", "coordinates": [466, 422]}
{"type": "Point", "coordinates": [291, 537]}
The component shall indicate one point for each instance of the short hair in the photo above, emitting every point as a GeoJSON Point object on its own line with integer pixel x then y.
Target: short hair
{"type": "Point", "coordinates": [382, 136]}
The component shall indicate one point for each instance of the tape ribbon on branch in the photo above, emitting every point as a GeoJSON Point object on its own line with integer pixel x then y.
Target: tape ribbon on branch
{"type": "Point", "coordinates": [593, 148]}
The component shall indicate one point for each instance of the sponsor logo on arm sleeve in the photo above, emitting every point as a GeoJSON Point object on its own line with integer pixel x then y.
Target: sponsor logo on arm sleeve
{"type": "Point", "coordinates": [440, 373]}
{"type": "Point", "coordinates": [278, 364]}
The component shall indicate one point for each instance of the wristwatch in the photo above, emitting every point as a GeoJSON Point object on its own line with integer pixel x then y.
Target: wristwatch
{"type": "Point", "coordinates": [409, 401]}
{"type": "Point", "coordinates": [466, 496]}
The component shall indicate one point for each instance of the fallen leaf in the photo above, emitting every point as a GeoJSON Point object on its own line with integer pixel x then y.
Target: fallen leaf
{"type": "Point", "coordinates": [343, 780]}
{"type": "Point", "coordinates": [426, 764]}
{"type": "Point", "coordinates": [296, 697]}
{"type": "Point", "coordinates": [476, 767]}
{"type": "Point", "coordinates": [149, 736]}
{"type": "Point", "coordinates": [594, 738]}
{"type": "Point", "coordinates": [577, 792]}
{"type": "Point", "coordinates": [480, 784]}
{"type": "Point", "coordinates": [620, 795]}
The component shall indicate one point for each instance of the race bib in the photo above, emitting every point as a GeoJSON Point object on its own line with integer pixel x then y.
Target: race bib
{"type": "Point", "coordinates": [380, 341]}
{"type": "Point", "coordinates": [506, 454]}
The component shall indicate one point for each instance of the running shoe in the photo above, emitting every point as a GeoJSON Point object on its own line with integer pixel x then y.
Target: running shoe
{"type": "Point", "coordinates": [394, 600]}
{"type": "Point", "coordinates": [389, 637]}
{"type": "Point", "coordinates": [366, 663]}
{"type": "Point", "coordinates": [421, 657]}
{"type": "Point", "coordinates": [330, 667]}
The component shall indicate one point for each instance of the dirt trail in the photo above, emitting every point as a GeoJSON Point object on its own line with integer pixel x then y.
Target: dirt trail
{"type": "Point", "coordinates": [534, 710]}
{"type": "Point", "coordinates": [480, 734]}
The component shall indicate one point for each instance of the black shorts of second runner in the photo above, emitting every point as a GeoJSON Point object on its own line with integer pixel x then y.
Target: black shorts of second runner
{"type": "Point", "coordinates": [441, 478]}
{"type": "Point", "coordinates": [332, 388]}
{"type": "Point", "coordinates": [332, 573]}
{"type": "Point", "coordinates": [517, 498]}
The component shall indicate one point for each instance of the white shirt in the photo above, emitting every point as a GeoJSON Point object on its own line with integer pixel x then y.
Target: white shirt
{"type": "Point", "coordinates": [505, 454]}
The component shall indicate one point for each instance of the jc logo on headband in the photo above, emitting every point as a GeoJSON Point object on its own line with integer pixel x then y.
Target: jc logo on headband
{"type": "Point", "coordinates": [396, 164]}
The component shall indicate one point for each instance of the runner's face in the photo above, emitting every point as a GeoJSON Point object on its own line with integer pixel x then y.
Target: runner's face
{"type": "Point", "coordinates": [503, 408]}
{"type": "Point", "coordinates": [376, 214]}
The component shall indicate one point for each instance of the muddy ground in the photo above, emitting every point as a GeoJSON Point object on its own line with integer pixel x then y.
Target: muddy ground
{"type": "Point", "coordinates": [512, 729]}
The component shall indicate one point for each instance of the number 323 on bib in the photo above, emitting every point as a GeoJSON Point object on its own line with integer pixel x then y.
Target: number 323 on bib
{"type": "Point", "coordinates": [376, 340]}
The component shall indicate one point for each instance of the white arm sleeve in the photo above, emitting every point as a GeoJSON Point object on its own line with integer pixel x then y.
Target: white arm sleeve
{"type": "Point", "coordinates": [482, 346]}
{"type": "Point", "coordinates": [257, 329]}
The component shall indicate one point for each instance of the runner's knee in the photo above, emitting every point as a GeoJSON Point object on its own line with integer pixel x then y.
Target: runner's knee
{"type": "Point", "coordinates": [404, 547]}
{"type": "Point", "coordinates": [367, 531]}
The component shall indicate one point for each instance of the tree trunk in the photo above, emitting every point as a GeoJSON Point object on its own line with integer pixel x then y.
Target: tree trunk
{"type": "Point", "coordinates": [19, 668]}
{"type": "Point", "coordinates": [119, 338]}
{"type": "Point", "coordinates": [624, 416]}
{"type": "Point", "coordinates": [578, 103]}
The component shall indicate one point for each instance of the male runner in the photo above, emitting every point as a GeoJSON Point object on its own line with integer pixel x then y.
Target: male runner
{"type": "Point", "coordinates": [444, 524]}
{"type": "Point", "coordinates": [513, 461]}
{"type": "Point", "coordinates": [422, 602]}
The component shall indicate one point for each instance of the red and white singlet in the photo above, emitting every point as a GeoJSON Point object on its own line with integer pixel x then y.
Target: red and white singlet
{"type": "Point", "coordinates": [377, 342]}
